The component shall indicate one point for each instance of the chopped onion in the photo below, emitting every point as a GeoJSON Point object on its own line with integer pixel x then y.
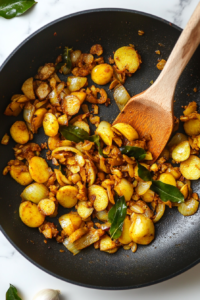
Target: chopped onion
{"type": "Point", "coordinates": [121, 96]}
{"type": "Point", "coordinates": [102, 215]}
{"type": "Point", "coordinates": [76, 83]}
{"type": "Point", "coordinates": [28, 112]}
{"type": "Point", "coordinates": [75, 55]}
{"type": "Point", "coordinates": [35, 192]}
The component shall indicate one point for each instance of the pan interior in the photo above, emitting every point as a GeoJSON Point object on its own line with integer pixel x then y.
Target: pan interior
{"type": "Point", "coordinates": [177, 242]}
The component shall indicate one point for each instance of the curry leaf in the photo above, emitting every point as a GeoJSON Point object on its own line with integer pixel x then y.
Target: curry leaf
{"type": "Point", "coordinates": [77, 134]}
{"type": "Point", "coordinates": [143, 173]}
{"type": "Point", "coordinates": [11, 293]}
{"type": "Point", "coordinates": [136, 152]}
{"type": "Point", "coordinates": [66, 64]}
{"type": "Point", "coordinates": [167, 192]}
{"type": "Point", "coordinates": [61, 169]}
{"type": "Point", "coordinates": [116, 217]}
{"type": "Point", "coordinates": [13, 8]}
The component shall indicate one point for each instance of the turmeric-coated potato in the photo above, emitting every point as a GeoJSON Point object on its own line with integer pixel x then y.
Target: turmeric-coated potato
{"type": "Point", "coordinates": [126, 58]}
{"type": "Point", "coordinates": [35, 192]}
{"type": "Point", "coordinates": [168, 179]}
{"type": "Point", "coordinates": [83, 210]}
{"type": "Point", "coordinates": [142, 230]}
{"type": "Point", "coordinates": [19, 132]}
{"type": "Point", "coordinates": [99, 195]}
{"type": "Point", "coordinates": [127, 130]}
{"type": "Point", "coordinates": [106, 243]}
{"type": "Point", "coordinates": [192, 127]}
{"type": "Point", "coordinates": [181, 152]}
{"type": "Point", "coordinates": [46, 207]}
{"type": "Point", "coordinates": [177, 139]}
{"type": "Point", "coordinates": [80, 95]}
{"type": "Point", "coordinates": [76, 83]}
{"type": "Point", "coordinates": [67, 196]}
{"type": "Point", "coordinates": [125, 236]}
{"type": "Point", "coordinates": [38, 118]}
{"type": "Point", "coordinates": [27, 89]}
{"type": "Point", "coordinates": [102, 74]}
{"type": "Point", "coordinates": [38, 169]}
{"type": "Point", "coordinates": [189, 207]}
{"type": "Point", "coordinates": [55, 142]}
{"type": "Point", "coordinates": [148, 196]}
{"type": "Point", "coordinates": [190, 168]}
{"type": "Point", "coordinates": [30, 214]}
{"type": "Point", "coordinates": [71, 105]}
{"type": "Point", "coordinates": [21, 174]}
{"type": "Point", "coordinates": [50, 124]}
{"type": "Point", "coordinates": [143, 187]}
{"type": "Point", "coordinates": [105, 132]}
{"type": "Point", "coordinates": [124, 188]}
{"type": "Point", "coordinates": [70, 222]}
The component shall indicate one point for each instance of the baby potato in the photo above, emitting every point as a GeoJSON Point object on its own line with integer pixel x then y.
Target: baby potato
{"type": "Point", "coordinates": [71, 105]}
{"type": "Point", "coordinates": [83, 125]}
{"type": "Point", "coordinates": [70, 222]}
{"type": "Point", "coordinates": [190, 168]}
{"type": "Point", "coordinates": [21, 175]}
{"type": "Point", "coordinates": [102, 74]}
{"type": "Point", "coordinates": [19, 132]}
{"type": "Point", "coordinates": [167, 178]}
{"type": "Point", "coordinates": [143, 187]}
{"type": "Point", "coordinates": [55, 142]}
{"type": "Point", "coordinates": [189, 207]}
{"type": "Point", "coordinates": [35, 192]}
{"type": "Point", "coordinates": [192, 127]}
{"type": "Point", "coordinates": [80, 95]}
{"type": "Point", "coordinates": [83, 210]}
{"type": "Point", "coordinates": [38, 169]}
{"type": "Point", "coordinates": [127, 130]}
{"type": "Point", "coordinates": [105, 132]}
{"type": "Point", "coordinates": [46, 207]}
{"type": "Point", "coordinates": [192, 107]}
{"type": "Point", "coordinates": [67, 196]}
{"type": "Point", "coordinates": [106, 243]}
{"type": "Point", "coordinates": [142, 230]}
{"type": "Point", "coordinates": [124, 188]}
{"type": "Point", "coordinates": [126, 58]}
{"type": "Point", "coordinates": [27, 89]}
{"type": "Point", "coordinates": [50, 124]}
{"type": "Point", "coordinates": [30, 215]}
{"type": "Point", "coordinates": [181, 152]}
{"type": "Point", "coordinates": [38, 118]}
{"type": "Point", "coordinates": [99, 195]}
{"type": "Point", "coordinates": [148, 196]}
{"type": "Point", "coordinates": [125, 236]}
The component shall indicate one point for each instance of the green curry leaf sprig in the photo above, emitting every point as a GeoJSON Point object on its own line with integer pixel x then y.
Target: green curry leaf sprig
{"type": "Point", "coordinates": [66, 65]}
{"type": "Point", "coordinates": [12, 294]}
{"type": "Point", "coordinates": [14, 8]}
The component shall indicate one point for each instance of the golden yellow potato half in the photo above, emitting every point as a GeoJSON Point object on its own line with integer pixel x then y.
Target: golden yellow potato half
{"type": "Point", "coordinates": [50, 124]}
{"type": "Point", "coordinates": [80, 95]}
{"type": "Point", "coordinates": [142, 230]}
{"type": "Point", "coordinates": [19, 132]}
{"type": "Point", "coordinates": [30, 214]}
{"type": "Point", "coordinates": [124, 188]}
{"type": "Point", "coordinates": [181, 152]}
{"type": "Point", "coordinates": [148, 196]}
{"type": "Point", "coordinates": [21, 174]}
{"type": "Point", "coordinates": [168, 179]}
{"type": "Point", "coordinates": [38, 169]}
{"type": "Point", "coordinates": [192, 127]}
{"type": "Point", "coordinates": [70, 222]}
{"type": "Point", "coordinates": [125, 236]}
{"type": "Point", "coordinates": [106, 243]}
{"type": "Point", "coordinates": [127, 130]}
{"type": "Point", "coordinates": [83, 210]}
{"type": "Point", "coordinates": [67, 196]}
{"type": "Point", "coordinates": [99, 195]}
{"type": "Point", "coordinates": [27, 88]}
{"type": "Point", "coordinates": [105, 132]}
{"type": "Point", "coordinates": [102, 74]}
{"type": "Point", "coordinates": [126, 58]}
{"type": "Point", "coordinates": [190, 168]}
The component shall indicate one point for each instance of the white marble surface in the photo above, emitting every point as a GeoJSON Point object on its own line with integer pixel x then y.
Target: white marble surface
{"type": "Point", "coordinates": [14, 268]}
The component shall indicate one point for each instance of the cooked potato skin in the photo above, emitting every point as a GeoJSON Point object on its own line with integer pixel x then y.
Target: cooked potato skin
{"type": "Point", "coordinates": [38, 169]}
{"type": "Point", "coordinates": [46, 207]}
{"type": "Point", "coordinates": [83, 210]}
{"type": "Point", "coordinates": [105, 132]}
{"type": "Point", "coordinates": [126, 58]}
{"type": "Point", "coordinates": [125, 236]}
{"type": "Point", "coordinates": [21, 174]}
{"type": "Point", "coordinates": [67, 196]}
{"type": "Point", "coordinates": [30, 214]}
{"type": "Point", "coordinates": [19, 132]}
{"type": "Point", "coordinates": [127, 130]}
{"type": "Point", "coordinates": [71, 105]}
{"type": "Point", "coordinates": [102, 74]}
{"type": "Point", "coordinates": [27, 89]}
{"type": "Point", "coordinates": [50, 124]}
{"type": "Point", "coordinates": [181, 152]}
{"type": "Point", "coordinates": [142, 230]}
{"type": "Point", "coordinates": [124, 188]}
{"type": "Point", "coordinates": [99, 195]}
{"type": "Point", "coordinates": [190, 168]}
{"type": "Point", "coordinates": [192, 127]}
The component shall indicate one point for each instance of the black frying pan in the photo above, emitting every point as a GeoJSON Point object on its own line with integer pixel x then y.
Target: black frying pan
{"type": "Point", "coordinates": [177, 243]}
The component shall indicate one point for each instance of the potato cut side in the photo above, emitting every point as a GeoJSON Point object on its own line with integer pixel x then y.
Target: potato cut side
{"type": "Point", "coordinates": [190, 168]}
{"type": "Point", "coordinates": [143, 187]}
{"type": "Point", "coordinates": [83, 210]}
{"type": "Point", "coordinates": [30, 214]}
{"type": "Point", "coordinates": [125, 236]}
{"type": "Point", "coordinates": [80, 95]}
{"type": "Point", "coordinates": [38, 118]}
{"type": "Point", "coordinates": [106, 243]}
{"type": "Point", "coordinates": [38, 169]}
{"type": "Point", "coordinates": [27, 89]}
{"type": "Point", "coordinates": [21, 174]}
{"type": "Point", "coordinates": [71, 105]}
{"type": "Point", "coordinates": [99, 195]}
{"type": "Point", "coordinates": [105, 132]}
{"type": "Point", "coordinates": [142, 230]}
{"type": "Point", "coordinates": [67, 196]}
{"type": "Point", "coordinates": [168, 179]}
{"type": "Point", "coordinates": [181, 152]}
{"type": "Point", "coordinates": [70, 222]}
{"type": "Point", "coordinates": [148, 196]}
{"type": "Point", "coordinates": [192, 127]}
{"type": "Point", "coordinates": [46, 207]}
{"type": "Point", "coordinates": [124, 188]}
{"type": "Point", "coordinates": [76, 83]}
{"type": "Point", "coordinates": [127, 130]}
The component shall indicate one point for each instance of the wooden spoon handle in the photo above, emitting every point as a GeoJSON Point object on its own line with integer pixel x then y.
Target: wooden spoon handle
{"type": "Point", "coordinates": [179, 57]}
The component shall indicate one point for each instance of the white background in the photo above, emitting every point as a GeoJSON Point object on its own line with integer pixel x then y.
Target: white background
{"type": "Point", "coordinates": [14, 268]}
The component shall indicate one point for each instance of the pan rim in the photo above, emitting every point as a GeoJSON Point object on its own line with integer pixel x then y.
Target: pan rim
{"type": "Point", "coordinates": [4, 232]}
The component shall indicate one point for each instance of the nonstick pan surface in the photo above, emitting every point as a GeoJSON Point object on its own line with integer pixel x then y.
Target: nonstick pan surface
{"type": "Point", "coordinates": [176, 247]}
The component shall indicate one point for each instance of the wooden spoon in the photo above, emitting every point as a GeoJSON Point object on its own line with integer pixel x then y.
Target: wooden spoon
{"type": "Point", "coordinates": [151, 112]}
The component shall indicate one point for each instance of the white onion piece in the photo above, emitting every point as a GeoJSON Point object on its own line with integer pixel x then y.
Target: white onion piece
{"type": "Point", "coordinates": [121, 96]}
{"type": "Point", "coordinates": [75, 56]}
{"type": "Point", "coordinates": [28, 112]}
{"type": "Point", "coordinates": [47, 294]}
{"type": "Point", "coordinates": [76, 83]}
{"type": "Point", "coordinates": [35, 192]}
